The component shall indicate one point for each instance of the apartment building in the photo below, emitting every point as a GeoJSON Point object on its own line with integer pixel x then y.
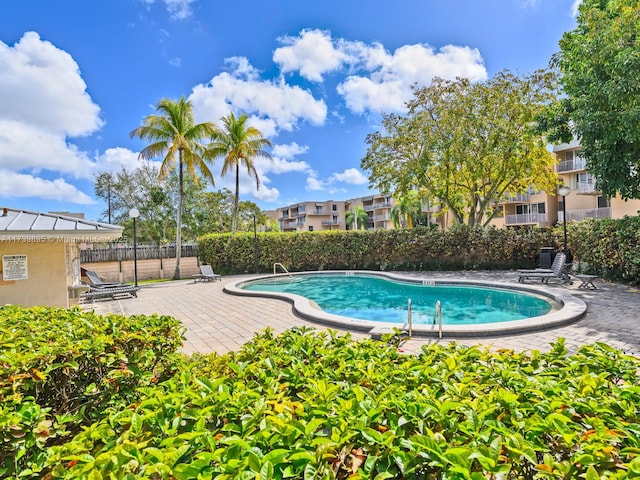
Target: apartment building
{"type": "Point", "coordinates": [584, 200]}
{"type": "Point", "coordinates": [543, 209]}
{"type": "Point", "coordinates": [331, 215]}
{"type": "Point", "coordinates": [311, 216]}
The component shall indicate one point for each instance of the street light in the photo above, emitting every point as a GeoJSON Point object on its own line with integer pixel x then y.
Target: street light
{"type": "Point", "coordinates": [563, 191]}
{"type": "Point", "coordinates": [134, 213]}
{"type": "Point", "coordinates": [255, 244]}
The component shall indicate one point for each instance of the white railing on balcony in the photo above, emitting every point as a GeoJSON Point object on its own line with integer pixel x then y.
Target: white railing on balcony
{"type": "Point", "coordinates": [381, 217]}
{"type": "Point", "coordinates": [382, 205]}
{"type": "Point", "coordinates": [368, 208]}
{"type": "Point", "coordinates": [577, 215]}
{"type": "Point", "coordinates": [522, 218]}
{"type": "Point", "coordinates": [331, 222]}
{"type": "Point", "coordinates": [318, 212]}
{"type": "Point", "coordinates": [587, 187]}
{"type": "Point", "coordinates": [570, 165]}
{"type": "Point", "coordinates": [518, 197]}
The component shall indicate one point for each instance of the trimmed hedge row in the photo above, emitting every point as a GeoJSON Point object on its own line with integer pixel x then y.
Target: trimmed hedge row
{"type": "Point", "coordinates": [307, 405]}
{"type": "Point", "coordinates": [60, 369]}
{"type": "Point", "coordinates": [422, 248]}
{"type": "Point", "coordinates": [609, 248]}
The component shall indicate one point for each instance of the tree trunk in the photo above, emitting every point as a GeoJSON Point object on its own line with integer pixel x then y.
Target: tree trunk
{"type": "Point", "coordinates": [176, 274]}
{"type": "Point", "coordinates": [234, 218]}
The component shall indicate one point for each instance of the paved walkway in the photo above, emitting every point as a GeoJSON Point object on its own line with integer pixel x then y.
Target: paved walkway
{"type": "Point", "coordinates": [219, 322]}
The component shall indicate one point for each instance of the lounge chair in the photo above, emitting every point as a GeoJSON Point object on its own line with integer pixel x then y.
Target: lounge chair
{"type": "Point", "coordinates": [206, 275]}
{"type": "Point", "coordinates": [558, 271]}
{"type": "Point", "coordinates": [560, 257]}
{"type": "Point", "coordinates": [99, 289]}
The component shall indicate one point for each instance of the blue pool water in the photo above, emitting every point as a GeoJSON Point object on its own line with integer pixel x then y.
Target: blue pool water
{"type": "Point", "coordinates": [373, 298]}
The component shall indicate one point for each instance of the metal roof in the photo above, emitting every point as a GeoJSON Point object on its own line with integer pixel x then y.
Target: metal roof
{"type": "Point", "coordinates": [14, 222]}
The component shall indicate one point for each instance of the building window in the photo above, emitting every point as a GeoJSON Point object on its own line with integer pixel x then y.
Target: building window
{"type": "Point", "coordinates": [604, 202]}
{"type": "Point", "coordinates": [311, 228]}
{"type": "Point", "coordinates": [334, 207]}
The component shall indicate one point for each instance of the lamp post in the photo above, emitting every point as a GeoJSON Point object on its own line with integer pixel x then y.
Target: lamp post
{"type": "Point", "coordinates": [563, 191]}
{"type": "Point", "coordinates": [255, 244]}
{"type": "Point", "coordinates": [134, 213]}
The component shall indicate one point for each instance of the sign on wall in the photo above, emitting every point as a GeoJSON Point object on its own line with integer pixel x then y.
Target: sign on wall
{"type": "Point", "coordinates": [14, 267]}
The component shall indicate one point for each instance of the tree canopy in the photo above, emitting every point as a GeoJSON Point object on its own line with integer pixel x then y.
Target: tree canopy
{"type": "Point", "coordinates": [466, 145]}
{"type": "Point", "coordinates": [599, 63]}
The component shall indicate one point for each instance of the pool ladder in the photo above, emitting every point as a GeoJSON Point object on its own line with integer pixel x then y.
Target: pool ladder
{"type": "Point", "coordinates": [275, 265]}
{"type": "Point", "coordinates": [437, 316]}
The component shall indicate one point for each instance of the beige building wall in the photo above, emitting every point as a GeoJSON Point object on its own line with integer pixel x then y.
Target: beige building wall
{"type": "Point", "coordinates": [46, 268]}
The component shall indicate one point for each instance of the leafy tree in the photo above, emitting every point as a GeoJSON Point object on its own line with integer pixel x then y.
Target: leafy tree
{"type": "Point", "coordinates": [599, 63]}
{"type": "Point", "coordinates": [466, 145]}
{"type": "Point", "coordinates": [357, 218]}
{"type": "Point", "coordinates": [138, 188]}
{"type": "Point", "coordinates": [239, 144]}
{"type": "Point", "coordinates": [172, 132]}
{"type": "Point", "coordinates": [407, 211]}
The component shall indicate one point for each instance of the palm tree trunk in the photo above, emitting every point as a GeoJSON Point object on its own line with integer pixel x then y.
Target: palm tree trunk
{"type": "Point", "coordinates": [176, 274]}
{"type": "Point", "coordinates": [234, 219]}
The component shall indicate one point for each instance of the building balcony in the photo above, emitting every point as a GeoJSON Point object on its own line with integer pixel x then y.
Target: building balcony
{"type": "Point", "coordinates": [586, 188]}
{"type": "Point", "coordinates": [382, 205]}
{"type": "Point", "coordinates": [517, 198]}
{"type": "Point", "coordinates": [577, 215]}
{"type": "Point", "coordinates": [572, 165]}
{"type": "Point", "coordinates": [319, 212]}
{"type": "Point", "coordinates": [377, 218]}
{"type": "Point", "coordinates": [331, 222]}
{"type": "Point", "coordinates": [368, 208]}
{"type": "Point", "coordinates": [526, 218]}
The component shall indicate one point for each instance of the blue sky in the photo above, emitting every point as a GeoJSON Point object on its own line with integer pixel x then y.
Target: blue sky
{"type": "Point", "coordinates": [76, 76]}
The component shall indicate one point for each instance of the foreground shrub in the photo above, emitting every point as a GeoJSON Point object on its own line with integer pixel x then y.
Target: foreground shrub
{"type": "Point", "coordinates": [60, 369]}
{"type": "Point", "coordinates": [318, 405]}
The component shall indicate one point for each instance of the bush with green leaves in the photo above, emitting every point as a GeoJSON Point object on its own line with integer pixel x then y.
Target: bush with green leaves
{"type": "Point", "coordinates": [306, 405]}
{"type": "Point", "coordinates": [61, 368]}
{"type": "Point", "coordinates": [421, 248]}
{"type": "Point", "coordinates": [608, 247]}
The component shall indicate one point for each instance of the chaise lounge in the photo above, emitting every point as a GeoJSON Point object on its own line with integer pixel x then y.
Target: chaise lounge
{"type": "Point", "coordinates": [206, 275]}
{"type": "Point", "coordinates": [558, 270]}
{"type": "Point", "coordinates": [99, 289]}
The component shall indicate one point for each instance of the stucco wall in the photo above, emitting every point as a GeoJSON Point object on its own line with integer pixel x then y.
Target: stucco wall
{"type": "Point", "coordinates": [47, 274]}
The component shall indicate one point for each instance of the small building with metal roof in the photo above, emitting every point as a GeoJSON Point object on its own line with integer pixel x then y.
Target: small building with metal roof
{"type": "Point", "coordinates": [40, 256]}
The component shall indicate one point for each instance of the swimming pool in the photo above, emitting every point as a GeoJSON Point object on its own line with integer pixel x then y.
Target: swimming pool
{"type": "Point", "coordinates": [369, 297]}
{"type": "Point", "coordinates": [366, 300]}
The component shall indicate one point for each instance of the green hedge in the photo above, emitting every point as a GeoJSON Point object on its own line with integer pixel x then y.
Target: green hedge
{"type": "Point", "coordinates": [306, 405]}
{"type": "Point", "coordinates": [60, 369]}
{"type": "Point", "coordinates": [420, 248]}
{"type": "Point", "coordinates": [610, 248]}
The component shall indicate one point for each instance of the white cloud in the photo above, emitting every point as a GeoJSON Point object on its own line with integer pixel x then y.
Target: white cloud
{"type": "Point", "coordinates": [351, 176]}
{"type": "Point", "coordinates": [313, 183]}
{"type": "Point", "coordinates": [277, 105]}
{"type": "Point", "coordinates": [29, 147]}
{"type": "Point", "coordinates": [19, 185]}
{"type": "Point", "coordinates": [575, 7]}
{"type": "Point", "coordinates": [388, 87]}
{"type": "Point", "coordinates": [41, 86]}
{"type": "Point", "coordinates": [115, 159]}
{"type": "Point", "coordinates": [289, 150]}
{"type": "Point", "coordinates": [178, 9]}
{"type": "Point", "coordinates": [176, 62]}
{"type": "Point", "coordinates": [312, 53]}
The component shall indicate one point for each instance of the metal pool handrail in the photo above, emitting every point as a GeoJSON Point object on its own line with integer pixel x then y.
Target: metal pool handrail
{"type": "Point", "coordinates": [282, 267]}
{"type": "Point", "coordinates": [437, 315]}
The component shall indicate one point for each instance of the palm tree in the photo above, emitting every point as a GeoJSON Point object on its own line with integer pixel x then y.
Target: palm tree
{"type": "Point", "coordinates": [173, 131]}
{"type": "Point", "coordinates": [357, 217]}
{"type": "Point", "coordinates": [239, 144]}
{"type": "Point", "coordinates": [407, 210]}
